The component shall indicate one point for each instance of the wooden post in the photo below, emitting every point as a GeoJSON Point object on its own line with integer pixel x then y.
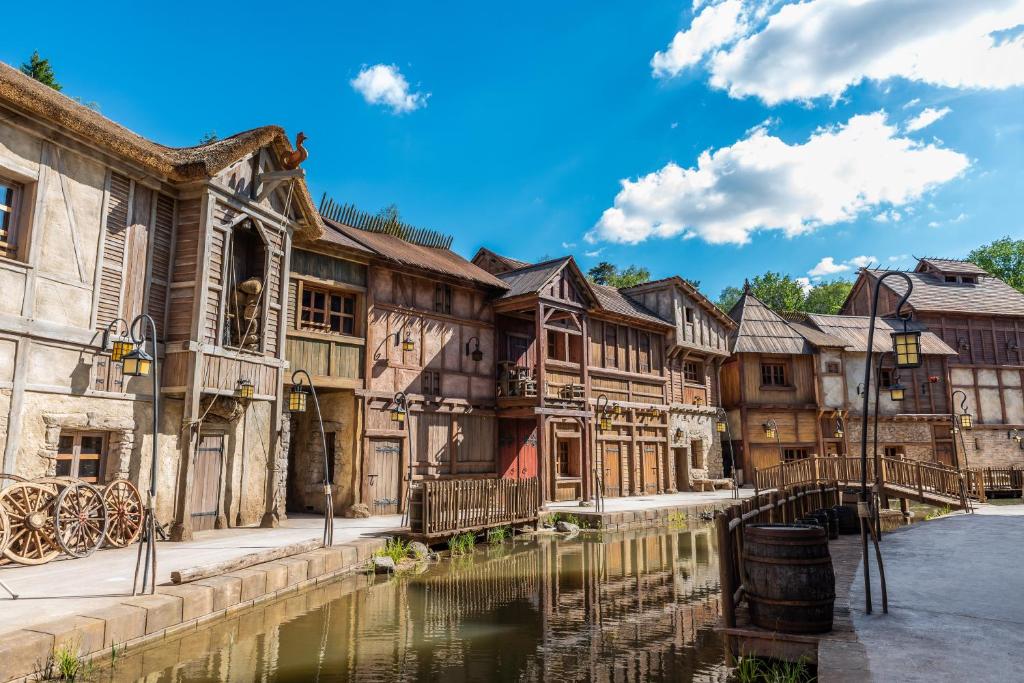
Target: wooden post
{"type": "Point", "coordinates": [920, 480]}
{"type": "Point", "coordinates": [725, 569]}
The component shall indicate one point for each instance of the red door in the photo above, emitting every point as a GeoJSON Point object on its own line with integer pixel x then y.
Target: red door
{"type": "Point", "coordinates": [517, 448]}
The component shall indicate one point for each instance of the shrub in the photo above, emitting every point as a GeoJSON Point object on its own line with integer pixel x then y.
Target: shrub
{"type": "Point", "coordinates": [499, 535]}
{"type": "Point", "coordinates": [461, 544]}
{"type": "Point", "coordinates": [395, 548]}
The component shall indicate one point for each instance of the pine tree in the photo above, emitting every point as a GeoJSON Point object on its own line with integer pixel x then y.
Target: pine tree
{"type": "Point", "coordinates": [40, 69]}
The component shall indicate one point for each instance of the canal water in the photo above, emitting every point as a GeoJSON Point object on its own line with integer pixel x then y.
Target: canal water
{"type": "Point", "coordinates": [627, 606]}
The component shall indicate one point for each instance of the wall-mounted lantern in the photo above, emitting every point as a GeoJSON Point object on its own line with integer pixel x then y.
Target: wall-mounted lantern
{"type": "Point", "coordinates": [720, 425]}
{"type": "Point", "coordinates": [616, 408]}
{"type": "Point", "coordinates": [245, 390]}
{"type": "Point", "coordinates": [838, 431]}
{"type": "Point", "coordinates": [604, 421]}
{"type": "Point", "coordinates": [897, 392]}
{"type": "Point", "coordinates": [906, 345]}
{"type": "Point", "coordinates": [119, 348]}
{"type": "Point", "coordinates": [405, 342]}
{"type": "Point", "coordinates": [678, 434]}
{"type": "Point", "coordinates": [476, 354]}
{"type": "Point", "coordinates": [770, 429]}
{"type": "Point", "coordinates": [399, 411]}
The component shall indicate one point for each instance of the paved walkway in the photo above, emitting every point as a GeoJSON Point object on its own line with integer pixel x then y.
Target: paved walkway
{"type": "Point", "coordinates": [66, 587]}
{"type": "Point", "coordinates": [956, 600]}
{"type": "Point", "coordinates": [632, 503]}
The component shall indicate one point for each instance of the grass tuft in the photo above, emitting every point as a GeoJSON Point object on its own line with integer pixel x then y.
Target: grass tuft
{"type": "Point", "coordinates": [499, 535]}
{"type": "Point", "coordinates": [757, 670]}
{"type": "Point", "coordinates": [461, 544]}
{"type": "Point", "coordinates": [66, 664]}
{"type": "Point", "coordinates": [395, 548]}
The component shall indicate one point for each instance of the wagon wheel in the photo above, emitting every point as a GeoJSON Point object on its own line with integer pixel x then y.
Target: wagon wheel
{"type": "Point", "coordinates": [80, 519]}
{"type": "Point", "coordinates": [124, 513]}
{"type": "Point", "coordinates": [30, 508]}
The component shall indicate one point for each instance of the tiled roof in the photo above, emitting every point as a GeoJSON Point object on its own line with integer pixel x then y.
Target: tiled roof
{"type": "Point", "coordinates": [440, 261]}
{"type": "Point", "coordinates": [531, 279]}
{"type": "Point", "coordinates": [613, 300]}
{"type": "Point", "coordinates": [762, 330]}
{"type": "Point", "coordinates": [951, 266]}
{"type": "Point", "coordinates": [989, 296]}
{"type": "Point", "coordinates": [852, 332]}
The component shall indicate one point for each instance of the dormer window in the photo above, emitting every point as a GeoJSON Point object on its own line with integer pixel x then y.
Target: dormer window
{"type": "Point", "coordinates": [968, 279]}
{"type": "Point", "coordinates": [961, 279]}
{"type": "Point", "coordinates": [951, 278]}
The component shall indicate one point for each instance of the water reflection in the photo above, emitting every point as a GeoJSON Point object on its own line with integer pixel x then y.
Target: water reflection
{"type": "Point", "coordinates": [633, 606]}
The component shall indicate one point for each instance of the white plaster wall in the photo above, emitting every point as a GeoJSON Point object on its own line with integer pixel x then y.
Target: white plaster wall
{"type": "Point", "coordinates": [12, 284]}
{"type": "Point", "coordinates": [831, 385]}
{"type": "Point", "coordinates": [8, 349]}
{"type": "Point", "coordinates": [19, 151]}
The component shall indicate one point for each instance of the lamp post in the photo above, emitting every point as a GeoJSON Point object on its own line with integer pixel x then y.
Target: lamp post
{"type": "Point", "coordinates": [907, 353]}
{"type": "Point", "coordinates": [136, 362]}
{"type": "Point", "coordinates": [399, 415]}
{"type": "Point", "coordinates": [604, 423]}
{"type": "Point", "coordinates": [771, 431]}
{"type": "Point", "coordinates": [297, 404]}
{"type": "Point", "coordinates": [722, 426]}
{"type": "Point", "coordinates": [963, 420]}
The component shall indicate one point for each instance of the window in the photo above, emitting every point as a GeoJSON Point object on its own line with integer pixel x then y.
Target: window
{"type": "Point", "coordinates": [329, 443]}
{"type": "Point", "coordinates": [563, 458]}
{"type": "Point", "coordinates": [894, 452]}
{"type": "Point", "coordinates": [610, 350]}
{"type": "Point", "coordinates": [80, 455]}
{"type": "Point", "coordinates": [442, 298]}
{"type": "Point", "coordinates": [9, 196]}
{"type": "Point", "coordinates": [246, 280]}
{"type": "Point", "coordinates": [430, 383]}
{"type": "Point", "coordinates": [326, 311]}
{"type": "Point", "coordinates": [564, 346]}
{"type": "Point", "coordinates": [773, 375]}
{"type": "Point", "coordinates": [643, 352]}
{"type": "Point", "coordinates": [950, 278]}
{"type": "Point", "coordinates": [689, 316]}
{"type": "Point", "coordinates": [968, 279]}
{"type": "Point", "coordinates": [789, 454]}
{"type": "Point", "coordinates": [693, 372]}
{"type": "Point", "coordinates": [885, 378]}
{"type": "Point", "coordinates": [832, 367]}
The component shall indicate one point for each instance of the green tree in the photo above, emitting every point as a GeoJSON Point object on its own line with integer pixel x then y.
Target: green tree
{"type": "Point", "coordinates": [40, 69]}
{"type": "Point", "coordinates": [390, 213]}
{"type": "Point", "coordinates": [605, 273]}
{"type": "Point", "coordinates": [728, 298]}
{"type": "Point", "coordinates": [779, 292]}
{"type": "Point", "coordinates": [208, 137]}
{"type": "Point", "coordinates": [1003, 258]}
{"type": "Point", "coordinates": [827, 297]}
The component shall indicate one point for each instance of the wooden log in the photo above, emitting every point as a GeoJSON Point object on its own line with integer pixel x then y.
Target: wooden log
{"type": "Point", "coordinates": [205, 571]}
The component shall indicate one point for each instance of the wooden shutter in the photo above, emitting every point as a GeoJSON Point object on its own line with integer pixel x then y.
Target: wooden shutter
{"type": "Point", "coordinates": [160, 259]}
{"type": "Point", "coordinates": [115, 237]}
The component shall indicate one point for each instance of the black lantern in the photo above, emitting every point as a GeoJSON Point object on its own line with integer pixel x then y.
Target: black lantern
{"type": "Point", "coordinates": [897, 392]}
{"type": "Point", "coordinates": [297, 398]}
{"type": "Point", "coordinates": [769, 430]}
{"type": "Point", "coordinates": [245, 389]}
{"type": "Point", "coordinates": [605, 423]}
{"type": "Point", "coordinates": [398, 414]}
{"type": "Point", "coordinates": [137, 363]}
{"type": "Point", "coordinates": [119, 349]}
{"type": "Point", "coordinates": [966, 421]}
{"type": "Point", "coordinates": [1015, 435]}
{"type": "Point", "coordinates": [616, 409]}
{"type": "Point", "coordinates": [906, 346]}
{"type": "Point", "coordinates": [720, 426]}
{"type": "Point", "coordinates": [407, 343]}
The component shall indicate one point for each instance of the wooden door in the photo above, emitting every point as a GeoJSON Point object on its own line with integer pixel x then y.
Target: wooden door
{"type": "Point", "coordinates": [944, 453]}
{"type": "Point", "coordinates": [650, 467]}
{"type": "Point", "coordinates": [527, 449]}
{"type": "Point", "coordinates": [206, 478]}
{"type": "Point", "coordinates": [518, 349]}
{"type": "Point", "coordinates": [612, 476]}
{"type": "Point", "coordinates": [383, 476]}
{"type": "Point", "coordinates": [508, 448]}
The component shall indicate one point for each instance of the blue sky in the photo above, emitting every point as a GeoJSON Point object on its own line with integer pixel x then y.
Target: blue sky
{"type": "Point", "coordinates": [522, 119]}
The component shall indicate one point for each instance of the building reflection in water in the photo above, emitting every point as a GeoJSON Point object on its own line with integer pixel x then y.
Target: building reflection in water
{"type": "Point", "coordinates": [630, 606]}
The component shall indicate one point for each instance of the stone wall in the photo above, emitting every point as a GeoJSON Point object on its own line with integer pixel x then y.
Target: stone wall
{"type": "Point", "coordinates": [694, 423]}
{"type": "Point", "coordinates": [305, 490]}
{"type": "Point", "coordinates": [915, 437]}
{"type": "Point", "coordinates": [992, 448]}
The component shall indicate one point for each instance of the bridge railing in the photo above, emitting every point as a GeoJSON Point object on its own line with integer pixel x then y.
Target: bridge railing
{"type": "Point", "coordinates": [922, 477]}
{"type": "Point", "coordinates": [445, 507]}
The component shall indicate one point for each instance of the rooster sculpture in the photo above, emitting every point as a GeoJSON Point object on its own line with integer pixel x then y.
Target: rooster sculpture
{"type": "Point", "coordinates": [293, 159]}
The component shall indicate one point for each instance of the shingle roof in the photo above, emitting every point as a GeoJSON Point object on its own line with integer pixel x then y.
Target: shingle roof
{"type": "Point", "coordinates": [852, 332]}
{"type": "Point", "coordinates": [441, 261]}
{"type": "Point", "coordinates": [947, 265]}
{"type": "Point", "coordinates": [332, 235]}
{"type": "Point", "coordinates": [510, 263]}
{"type": "Point", "coordinates": [989, 296]}
{"type": "Point", "coordinates": [762, 330]}
{"type": "Point", "coordinates": [693, 293]}
{"type": "Point", "coordinates": [613, 300]}
{"type": "Point", "coordinates": [530, 279]}
{"type": "Point", "coordinates": [176, 163]}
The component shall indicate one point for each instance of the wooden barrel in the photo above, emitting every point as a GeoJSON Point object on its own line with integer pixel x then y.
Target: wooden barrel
{"type": "Point", "coordinates": [848, 523]}
{"type": "Point", "coordinates": [789, 582]}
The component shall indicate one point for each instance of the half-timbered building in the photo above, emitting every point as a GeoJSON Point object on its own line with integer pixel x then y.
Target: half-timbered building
{"type": "Point", "coordinates": [982, 319]}
{"type": "Point", "coordinates": [101, 224]}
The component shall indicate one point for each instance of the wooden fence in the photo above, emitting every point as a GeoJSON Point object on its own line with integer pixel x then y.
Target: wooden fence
{"type": "Point", "coordinates": [772, 507]}
{"type": "Point", "coordinates": [924, 480]}
{"type": "Point", "coordinates": [446, 507]}
{"type": "Point", "coordinates": [985, 480]}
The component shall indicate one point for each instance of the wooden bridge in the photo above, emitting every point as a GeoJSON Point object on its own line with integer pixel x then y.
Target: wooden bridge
{"type": "Point", "coordinates": [925, 482]}
{"type": "Point", "coordinates": [446, 507]}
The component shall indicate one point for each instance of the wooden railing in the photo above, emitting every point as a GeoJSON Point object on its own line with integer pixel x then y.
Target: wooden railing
{"type": "Point", "coordinates": [920, 477]}
{"type": "Point", "coordinates": [985, 480]}
{"type": "Point", "coordinates": [450, 506]}
{"type": "Point", "coordinates": [770, 507]}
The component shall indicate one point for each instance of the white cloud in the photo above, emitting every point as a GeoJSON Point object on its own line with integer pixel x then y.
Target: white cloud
{"type": "Point", "coordinates": [900, 257]}
{"type": "Point", "coordinates": [712, 27]}
{"type": "Point", "coordinates": [862, 261]}
{"type": "Point", "coordinates": [912, 103]}
{"type": "Point", "coordinates": [933, 224]}
{"type": "Point", "coordinates": [827, 266]}
{"type": "Point", "coordinates": [891, 215]}
{"type": "Point", "coordinates": [927, 117]}
{"type": "Point", "coordinates": [805, 284]}
{"type": "Point", "coordinates": [819, 48]}
{"type": "Point", "coordinates": [960, 218]}
{"type": "Point", "coordinates": [384, 84]}
{"type": "Point", "coordinates": [593, 254]}
{"type": "Point", "coordinates": [568, 245]}
{"type": "Point", "coordinates": [764, 183]}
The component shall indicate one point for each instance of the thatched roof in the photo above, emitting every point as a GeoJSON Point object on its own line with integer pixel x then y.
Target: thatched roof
{"type": "Point", "coordinates": [179, 164]}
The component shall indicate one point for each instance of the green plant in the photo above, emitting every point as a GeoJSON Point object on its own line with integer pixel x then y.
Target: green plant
{"type": "Point", "coordinates": [66, 664]}
{"type": "Point", "coordinates": [395, 548]}
{"type": "Point", "coordinates": [757, 670]}
{"type": "Point", "coordinates": [499, 534]}
{"type": "Point", "coordinates": [677, 518]}
{"type": "Point", "coordinates": [938, 512]}
{"type": "Point", "coordinates": [461, 544]}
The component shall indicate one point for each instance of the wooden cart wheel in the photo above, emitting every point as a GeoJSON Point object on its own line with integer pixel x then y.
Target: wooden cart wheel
{"type": "Point", "coordinates": [124, 513]}
{"type": "Point", "coordinates": [30, 508]}
{"type": "Point", "coordinates": [80, 519]}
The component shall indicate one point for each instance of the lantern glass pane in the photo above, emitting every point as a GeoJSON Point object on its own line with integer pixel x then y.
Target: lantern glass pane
{"type": "Point", "coordinates": [896, 393]}
{"type": "Point", "coordinates": [120, 349]}
{"type": "Point", "coordinates": [297, 401]}
{"type": "Point", "coordinates": [907, 348]}
{"type": "Point", "coordinates": [965, 421]}
{"type": "Point", "coordinates": [720, 426]}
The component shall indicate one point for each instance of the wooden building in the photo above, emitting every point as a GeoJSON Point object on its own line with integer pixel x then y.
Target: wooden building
{"type": "Point", "coordinates": [695, 353]}
{"type": "Point", "coordinates": [792, 388]}
{"type": "Point", "coordinates": [565, 348]}
{"type": "Point", "coordinates": [982, 319]}
{"type": "Point", "coordinates": [425, 330]}
{"type": "Point", "coordinates": [101, 224]}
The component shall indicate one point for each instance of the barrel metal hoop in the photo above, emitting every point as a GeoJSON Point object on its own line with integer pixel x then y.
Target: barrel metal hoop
{"type": "Point", "coordinates": [786, 560]}
{"type": "Point", "coordinates": [791, 603]}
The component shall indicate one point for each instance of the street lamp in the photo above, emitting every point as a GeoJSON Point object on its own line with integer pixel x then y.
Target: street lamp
{"type": "Point", "coordinates": [722, 426]}
{"type": "Point", "coordinates": [246, 390]}
{"type": "Point", "coordinates": [838, 432]}
{"type": "Point", "coordinates": [137, 363]}
{"type": "Point", "coordinates": [906, 348]}
{"type": "Point", "coordinates": [118, 347]}
{"type": "Point", "coordinates": [297, 404]}
{"type": "Point", "coordinates": [604, 422]}
{"type": "Point", "coordinates": [405, 341]}
{"type": "Point", "coordinates": [476, 354]}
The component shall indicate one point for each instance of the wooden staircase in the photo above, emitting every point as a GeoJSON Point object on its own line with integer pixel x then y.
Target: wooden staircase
{"type": "Point", "coordinates": [925, 482]}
